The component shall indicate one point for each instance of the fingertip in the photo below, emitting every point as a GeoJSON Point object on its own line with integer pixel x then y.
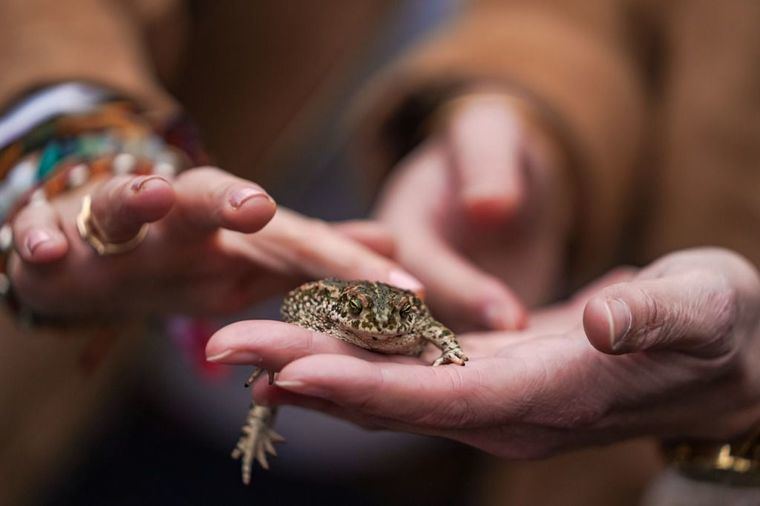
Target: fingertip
{"type": "Point", "coordinates": [42, 245]}
{"type": "Point", "coordinates": [123, 204]}
{"type": "Point", "coordinates": [505, 316]}
{"type": "Point", "coordinates": [500, 308]}
{"type": "Point", "coordinates": [521, 318]}
{"type": "Point", "coordinates": [239, 197]}
{"type": "Point", "coordinates": [596, 324]}
{"type": "Point", "coordinates": [150, 198]}
{"type": "Point", "coordinates": [607, 322]}
{"type": "Point", "coordinates": [148, 184]}
{"type": "Point", "coordinates": [403, 279]}
{"type": "Point", "coordinates": [490, 208]}
{"type": "Point", "coordinates": [248, 209]}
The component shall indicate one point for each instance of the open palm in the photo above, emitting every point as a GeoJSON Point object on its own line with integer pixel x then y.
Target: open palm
{"type": "Point", "coordinates": [680, 366]}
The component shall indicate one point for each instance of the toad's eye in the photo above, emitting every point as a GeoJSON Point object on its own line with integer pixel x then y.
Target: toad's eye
{"type": "Point", "coordinates": [405, 310]}
{"type": "Point", "coordinates": [355, 306]}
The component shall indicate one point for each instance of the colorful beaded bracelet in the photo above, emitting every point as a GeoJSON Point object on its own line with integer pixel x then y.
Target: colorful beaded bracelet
{"type": "Point", "coordinates": [112, 140]}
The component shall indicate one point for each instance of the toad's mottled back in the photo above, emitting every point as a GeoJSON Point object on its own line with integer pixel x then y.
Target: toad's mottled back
{"type": "Point", "coordinates": [372, 315]}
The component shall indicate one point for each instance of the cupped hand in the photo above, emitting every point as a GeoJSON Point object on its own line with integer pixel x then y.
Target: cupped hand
{"type": "Point", "coordinates": [480, 213]}
{"type": "Point", "coordinates": [201, 254]}
{"type": "Point", "coordinates": [670, 351]}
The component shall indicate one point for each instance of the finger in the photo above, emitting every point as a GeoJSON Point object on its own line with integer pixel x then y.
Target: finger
{"type": "Point", "coordinates": [692, 312]}
{"type": "Point", "coordinates": [272, 345]}
{"type": "Point", "coordinates": [209, 198]}
{"type": "Point", "coordinates": [424, 396]}
{"type": "Point", "coordinates": [486, 147]}
{"type": "Point", "coordinates": [269, 395]}
{"type": "Point", "coordinates": [123, 204]}
{"type": "Point", "coordinates": [37, 235]}
{"type": "Point", "coordinates": [371, 234]}
{"type": "Point", "coordinates": [313, 249]}
{"type": "Point", "coordinates": [458, 287]}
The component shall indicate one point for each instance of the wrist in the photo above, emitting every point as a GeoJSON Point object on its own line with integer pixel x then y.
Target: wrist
{"type": "Point", "coordinates": [88, 136]}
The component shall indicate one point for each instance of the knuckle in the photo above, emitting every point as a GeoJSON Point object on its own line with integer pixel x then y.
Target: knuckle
{"type": "Point", "coordinates": [652, 322]}
{"type": "Point", "coordinates": [365, 401]}
{"type": "Point", "coordinates": [711, 310]}
{"type": "Point", "coordinates": [589, 413]}
{"type": "Point", "coordinates": [724, 318]}
{"type": "Point", "coordinates": [718, 255]}
{"type": "Point", "coordinates": [460, 408]}
{"type": "Point", "coordinates": [29, 216]}
{"type": "Point", "coordinates": [40, 294]}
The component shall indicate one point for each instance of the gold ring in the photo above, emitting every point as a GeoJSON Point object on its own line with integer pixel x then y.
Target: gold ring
{"type": "Point", "coordinates": [91, 233]}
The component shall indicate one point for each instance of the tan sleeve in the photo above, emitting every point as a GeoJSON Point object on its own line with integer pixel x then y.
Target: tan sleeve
{"type": "Point", "coordinates": [574, 58]}
{"type": "Point", "coordinates": [99, 41]}
{"type": "Point", "coordinates": [54, 386]}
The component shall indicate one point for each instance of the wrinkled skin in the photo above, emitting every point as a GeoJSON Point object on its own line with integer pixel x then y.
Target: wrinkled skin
{"type": "Point", "coordinates": [679, 359]}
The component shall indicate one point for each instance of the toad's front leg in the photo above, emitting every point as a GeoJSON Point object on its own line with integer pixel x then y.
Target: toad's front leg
{"type": "Point", "coordinates": [445, 340]}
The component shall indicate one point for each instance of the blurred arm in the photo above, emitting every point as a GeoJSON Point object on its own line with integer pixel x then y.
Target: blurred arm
{"type": "Point", "coordinates": [48, 41]}
{"type": "Point", "coordinates": [574, 60]}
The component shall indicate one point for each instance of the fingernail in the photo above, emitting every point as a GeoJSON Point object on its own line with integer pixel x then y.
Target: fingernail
{"type": "Point", "coordinates": [243, 195]}
{"type": "Point", "coordinates": [300, 387]}
{"type": "Point", "coordinates": [406, 281]}
{"type": "Point", "coordinates": [35, 238]}
{"type": "Point", "coordinates": [619, 320]}
{"type": "Point", "coordinates": [235, 357]}
{"type": "Point", "coordinates": [290, 384]}
{"type": "Point", "coordinates": [141, 183]}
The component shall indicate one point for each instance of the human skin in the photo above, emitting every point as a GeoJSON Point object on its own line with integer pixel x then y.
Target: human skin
{"type": "Point", "coordinates": [668, 351]}
{"type": "Point", "coordinates": [481, 211]}
{"type": "Point", "coordinates": [216, 244]}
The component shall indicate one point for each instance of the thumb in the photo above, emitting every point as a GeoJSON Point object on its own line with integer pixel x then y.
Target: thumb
{"type": "Point", "coordinates": [693, 312]}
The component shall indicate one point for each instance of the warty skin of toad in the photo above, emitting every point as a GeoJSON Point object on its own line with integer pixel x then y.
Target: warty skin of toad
{"type": "Point", "coordinates": [372, 315]}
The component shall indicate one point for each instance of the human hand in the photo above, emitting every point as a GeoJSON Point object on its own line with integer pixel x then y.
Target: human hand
{"type": "Point", "coordinates": [480, 213]}
{"type": "Point", "coordinates": [679, 361]}
{"type": "Point", "coordinates": [199, 256]}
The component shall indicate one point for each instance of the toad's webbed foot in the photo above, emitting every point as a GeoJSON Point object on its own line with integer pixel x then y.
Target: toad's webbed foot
{"type": "Point", "coordinates": [257, 440]}
{"type": "Point", "coordinates": [452, 356]}
{"type": "Point", "coordinates": [255, 375]}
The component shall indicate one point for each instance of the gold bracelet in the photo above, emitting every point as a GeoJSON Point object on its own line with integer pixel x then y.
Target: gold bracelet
{"type": "Point", "coordinates": [735, 463]}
